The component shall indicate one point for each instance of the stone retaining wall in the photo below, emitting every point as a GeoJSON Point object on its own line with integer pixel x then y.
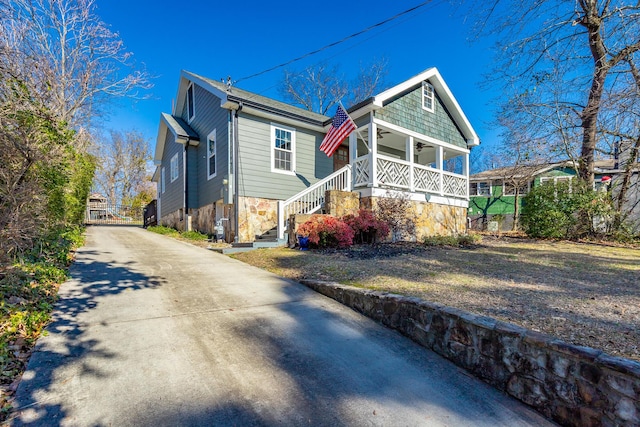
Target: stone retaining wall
{"type": "Point", "coordinates": [575, 386]}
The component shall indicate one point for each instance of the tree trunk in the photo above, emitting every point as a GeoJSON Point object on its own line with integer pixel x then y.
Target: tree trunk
{"type": "Point", "coordinates": [516, 210]}
{"type": "Point", "coordinates": [589, 116]}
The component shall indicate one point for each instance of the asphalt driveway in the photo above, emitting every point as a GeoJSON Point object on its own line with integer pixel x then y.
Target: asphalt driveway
{"type": "Point", "coordinates": [152, 332]}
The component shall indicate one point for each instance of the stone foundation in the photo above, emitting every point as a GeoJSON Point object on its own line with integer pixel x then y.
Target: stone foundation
{"type": "Point", "coordinates": [256, 217]}
{"type": "Point", "coordinates": [575, 386]}
{"type": "Point", "coordinates": [174, 220]}
{"type": "Point", "coordinates": [431, 219]}
{"type": "Point", "coordinates": [204, 219]}
{"type": "Point", "coordinates": [341, 203]}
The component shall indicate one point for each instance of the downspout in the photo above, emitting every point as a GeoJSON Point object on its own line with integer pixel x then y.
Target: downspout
{"type": "Point", "coordinates": [187, 217]}
{"type": "Point", "coordinates": [187, 226]}
{"type": "Point", "coordinates": [236, 176]}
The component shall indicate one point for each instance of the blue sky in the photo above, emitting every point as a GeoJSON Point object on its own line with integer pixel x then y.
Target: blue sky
{"type": "Point", "coordinates": [217, 39]}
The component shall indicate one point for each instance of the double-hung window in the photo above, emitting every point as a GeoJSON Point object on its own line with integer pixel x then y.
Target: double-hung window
{"type": "Point", "coordinates": [428, 97]}
{"type": "Point", "coordinates": [283, 142]}
{"type": "Point", "coordinates": [480, 189]}
{"type": "Point", "coordinates": [174, 167]}
{"type": "Point", "coordinates": [211, 154]}
{"type": "Point", "coordinates": [555, 180]}
{"type": "Point", "coordinates": [510, 189]}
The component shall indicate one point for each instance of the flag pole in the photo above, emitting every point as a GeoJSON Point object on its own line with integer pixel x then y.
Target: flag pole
{"type": "Point", "coordinates": [364, 141]}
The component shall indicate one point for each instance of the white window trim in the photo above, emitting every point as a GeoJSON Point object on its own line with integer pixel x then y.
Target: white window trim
{"type": "Point", "coordinates": [504, 190]}
{"type": "Point", "coordinates": [174, 160]}
{"type": "Point", "coordinates": [163, 181]}
{"type": "Point", "coordinates": [191, 88]}
{"type": "Point", "coordinates": [477, 193]}
{"type": "Point", "coordinates": [555, 179]}
{"type": "Point", "coordinates": [212, 136]}
{"type": "Point", "coordinates": [272, 149]}
{"type": "Point", "coordinates": [433, 97]}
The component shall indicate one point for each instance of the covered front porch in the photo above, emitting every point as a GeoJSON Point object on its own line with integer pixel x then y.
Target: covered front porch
{"type": "Point", "coordinates": [385, 156]}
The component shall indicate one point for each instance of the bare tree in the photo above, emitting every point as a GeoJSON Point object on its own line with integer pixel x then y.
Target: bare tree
{"type": "Point", "coordinates": [370, 79]}
{"type": "Point", "coordinates": [320, 87]}
{"type": "Point", "coordinates": [58, 65]}
{"type": "Point", "coordinates": [577, 47]}
{"type": "Point", "coordinates": [621, 130]}
{"type": "Point", "coordinates": [68, 56]}
{"type": "Point", "coordinates": [397, 211]}
{"type": "Point", "coordinates": [122, 167]}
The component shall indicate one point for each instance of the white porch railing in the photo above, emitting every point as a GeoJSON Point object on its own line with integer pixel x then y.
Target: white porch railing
{"type": "Point", "coordinates": [404, 175]}
{"type": "Point", "coordinates": [311, 199]}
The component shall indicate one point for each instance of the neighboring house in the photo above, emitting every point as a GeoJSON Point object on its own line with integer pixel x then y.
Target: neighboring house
{"type": "Point", "coordinates": [239, 164]}
{"type": "Point", "coordinates": [492, 193]}
{"type": "Point", "coordinates": [96, 207]}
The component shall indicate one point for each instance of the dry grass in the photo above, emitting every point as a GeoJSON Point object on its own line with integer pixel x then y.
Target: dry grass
{"type": "Point", "coordinates": [586, 294]}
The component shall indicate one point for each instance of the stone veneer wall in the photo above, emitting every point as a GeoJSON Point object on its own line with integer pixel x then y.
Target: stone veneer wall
{"type": "Point", "coordinates": [204, 219]}
{"type": "Point", "coordinates": [431, 219]}
{"type": "Point", "coordinates": [341, 203]}
{"type": "Point", "coordinates": [256, 216]}
{"type": "Point", "coordinates": [575, 386]}
{"type": "Point", "coordinates": [173, 220]}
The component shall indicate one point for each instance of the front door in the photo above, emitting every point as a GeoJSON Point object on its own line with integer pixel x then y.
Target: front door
{"type": "Point", "coordinates": [340, 158]}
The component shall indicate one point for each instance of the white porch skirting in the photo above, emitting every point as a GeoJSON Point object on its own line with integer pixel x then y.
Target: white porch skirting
{"type": "Point", "coordinates": [416, 197]}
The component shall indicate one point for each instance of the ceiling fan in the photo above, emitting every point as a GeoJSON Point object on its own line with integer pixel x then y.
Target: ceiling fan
{"type": "Point", "coordinates": [379, 132]}
{"type": "Point", "coordinates": [421, 145]}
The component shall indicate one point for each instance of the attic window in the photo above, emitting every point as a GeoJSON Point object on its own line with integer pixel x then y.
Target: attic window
{"type": "Point", "coordinates": [191, 112]}
{"type": "Point", "coordinates": [428, 97]}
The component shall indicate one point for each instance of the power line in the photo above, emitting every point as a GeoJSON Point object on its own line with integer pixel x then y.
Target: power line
{"type": "Point", "coordinates": [336, 43]}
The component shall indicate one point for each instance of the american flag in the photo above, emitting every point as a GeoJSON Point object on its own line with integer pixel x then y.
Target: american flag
{"type": "Point", "coordinates": [341, 127]}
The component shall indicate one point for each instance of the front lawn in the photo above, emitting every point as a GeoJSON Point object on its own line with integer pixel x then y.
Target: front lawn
{"type": "Point", "coordinates": [586, 294]}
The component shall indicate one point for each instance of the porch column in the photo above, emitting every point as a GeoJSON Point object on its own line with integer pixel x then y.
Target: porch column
{"type": "Point", "coordinates": [353, 155]}
{"type": "Point", "coordinates": [373, 146]}
{"type": "Point", "coordinates": [409, 151]}
{"type": "Point", "coordinates": [465, 172]}
{"type": "Point", "coordinates": [440, 167]}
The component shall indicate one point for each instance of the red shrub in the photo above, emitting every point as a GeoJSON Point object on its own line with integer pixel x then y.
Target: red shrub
{"type": "Point", "coordinates": [326, 231]}
{"type": "Point", "coordinates": [366, 227]}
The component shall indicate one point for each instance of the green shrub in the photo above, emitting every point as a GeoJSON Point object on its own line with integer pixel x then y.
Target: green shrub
{"type": "Point", "coordinates": [28, 292]}
{"type": "Point", "coordinates": [566, 210]}
{"type": "Point", "coordinates": [166, 231]}
{"type": "Point", "coordinates": [194, 235]}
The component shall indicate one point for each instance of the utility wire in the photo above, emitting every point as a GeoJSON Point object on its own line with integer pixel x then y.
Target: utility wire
{"type": "Point", "coordinates": [336, 43]}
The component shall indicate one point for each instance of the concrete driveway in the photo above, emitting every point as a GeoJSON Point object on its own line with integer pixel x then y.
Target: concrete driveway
{"type": "Point", "coordinates": [152, 332]}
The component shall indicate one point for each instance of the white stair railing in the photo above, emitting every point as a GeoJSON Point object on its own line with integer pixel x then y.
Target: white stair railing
{"type": "Point", "coordinates": [311, 199]}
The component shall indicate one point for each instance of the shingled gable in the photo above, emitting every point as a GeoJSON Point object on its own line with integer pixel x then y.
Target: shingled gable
{"type": "Point", "coordinates": [232, 97]}
{"type": "Point", "coordinates": [181, 131]}
{"type": "Point", "coordinates": [441, 88]}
